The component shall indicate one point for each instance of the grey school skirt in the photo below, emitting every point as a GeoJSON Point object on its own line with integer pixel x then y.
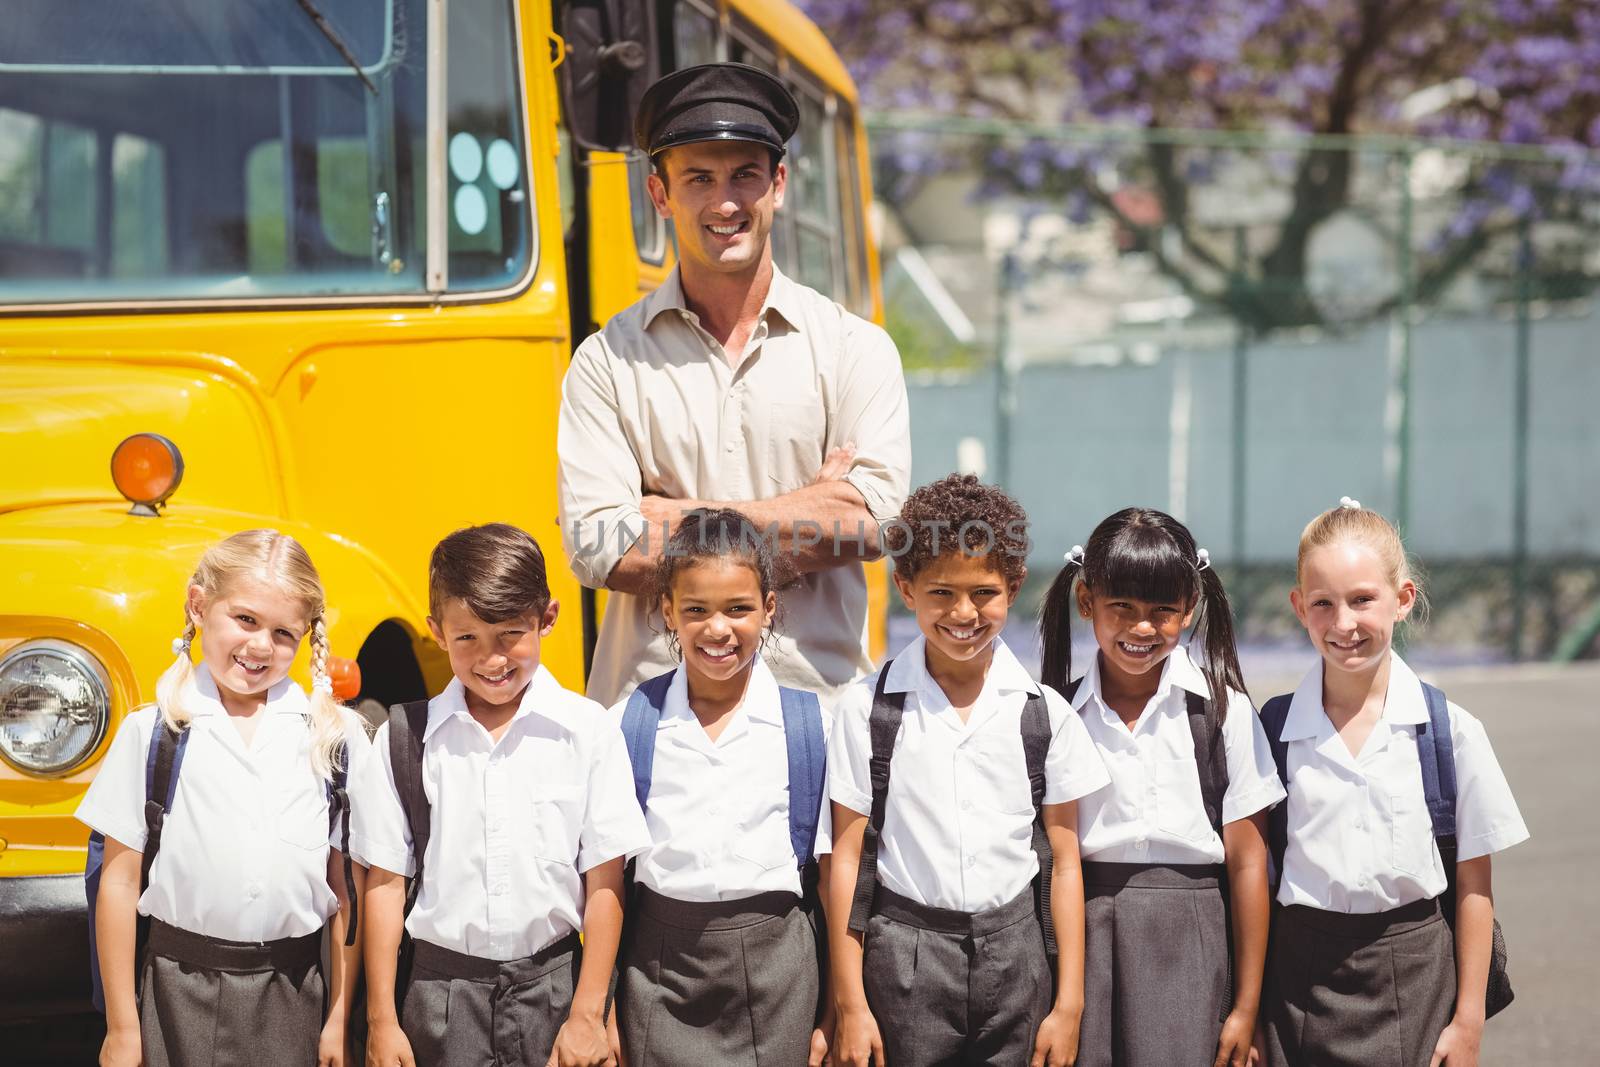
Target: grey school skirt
{"type": "Point", "coordinates": [1358, 990]}
{"type": "Point", "coordinates": [732, 983]}
{"type": "Point", "coordinates": [1155, 982]}
{"type": "Point", "coordinates": [203, 1000]}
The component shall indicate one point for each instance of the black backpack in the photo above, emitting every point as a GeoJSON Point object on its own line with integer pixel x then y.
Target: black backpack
{"type": "Point", "coordinates": [406, 725]}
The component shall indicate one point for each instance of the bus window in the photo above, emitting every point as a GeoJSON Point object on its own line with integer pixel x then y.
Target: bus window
{"type": "Point", "coordinates": [48, 214]}
{"type": "Point", "coordinates": [852, 212]}
{"type": "Point", "coordinates": [694, 35]}
{"type": "Point", "coordinates": [746, 44]}
{"type": "Point", "coordinates": [812, 199]}
{"type": "Point", "coordinates": [138, 206]}
{"type": "Point", "coordinates": [220, 150]}
{"type": "Point", "coordinates": [491, 233]}
{"type": "Point", "coordinates": [649, 228]}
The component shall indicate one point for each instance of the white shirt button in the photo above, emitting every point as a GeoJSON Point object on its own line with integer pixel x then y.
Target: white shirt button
{"type": "Point", "coordinates": [966, 805]}
{"type": "Point", "coordinates": [254, 892]}
{"type": "Point", "coordinates": [972, 861]}
{"type": "Point", "coordinates": [1141, 844]}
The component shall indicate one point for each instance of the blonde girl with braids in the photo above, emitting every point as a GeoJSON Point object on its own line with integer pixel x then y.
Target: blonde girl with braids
{"type": "Point", "coordinates": [211, 952]}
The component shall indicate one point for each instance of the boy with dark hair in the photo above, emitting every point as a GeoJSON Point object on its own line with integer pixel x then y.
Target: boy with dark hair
{"type": "Point", "coordinates": [508, 803]}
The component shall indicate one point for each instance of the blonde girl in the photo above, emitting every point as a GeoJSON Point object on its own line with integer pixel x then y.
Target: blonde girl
{"type": "Point", "coordinates": [246, 877]}
{"type": "Point", "coordinates": [1364, 966]}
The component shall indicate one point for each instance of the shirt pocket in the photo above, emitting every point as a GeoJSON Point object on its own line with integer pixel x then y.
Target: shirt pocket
{"type": "Point", "coordinates": [557, 814]}
{"type": "Point", "coordinates": [795, 435]}
{"type": "Point", "coordinates": [1411, 834]}
{"type": "Point", "coordinates": [303, 817]}
{"type": "Point", "coordinates": [999, 777]}
{"type": "Point", "coordinates": [765, 849]}
{"type": "Point", "coordinates": [1180, 811]}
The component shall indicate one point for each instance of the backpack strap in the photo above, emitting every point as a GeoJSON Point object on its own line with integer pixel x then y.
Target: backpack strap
{"type": "Point", "coordinates": [639, 722]}
{"type": "Point", "coordinates": [1210, 756]}
{"type": "Point", "coordinates": [162, 765]}
{"type": "Point", "coordinates": [1274, 713]}
{"type": "Point", "coordinates": [808, 764]}
{"type": "Point", "coordinates": [406, 725]}
{"type": "Point", "coordinates": [1436, 751]}
{"type": "Point", "coordinates": [884, 726]}
{"type": "Point", "coordinates": [339, 815]}
{"type": "Point", "coordinates": [1035, 748]}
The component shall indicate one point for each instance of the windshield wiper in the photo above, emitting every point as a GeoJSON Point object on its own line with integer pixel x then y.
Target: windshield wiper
{"type": "Point", "coordinates": [333, 38]}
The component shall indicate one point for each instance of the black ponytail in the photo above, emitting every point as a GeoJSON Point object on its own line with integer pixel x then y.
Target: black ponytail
{"type": "Point", "coordinates": [1214, 628]}
{"type": "Point", "coordinates": [1145, 554]}
{"type": "Point", "coordinates": [1055, 627]}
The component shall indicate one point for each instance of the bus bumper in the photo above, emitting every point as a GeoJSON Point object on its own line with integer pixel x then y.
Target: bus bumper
{"type": "Point", "coordinates": [44, 946]}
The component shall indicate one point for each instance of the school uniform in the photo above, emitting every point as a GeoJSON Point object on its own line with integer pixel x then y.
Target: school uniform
{"type": "Point", "coordinates": [953, 958]}
{"type": "Point", "coordinates": [1362, 964]}
{"type": "Point", "coordinates": [720, 963]}
{"type": "Point", "coordinates": [238, 893]}
{"type": "Point", "coordinates": [1156, 976]}
{"type": "Point", "coordinates": [514, 824]}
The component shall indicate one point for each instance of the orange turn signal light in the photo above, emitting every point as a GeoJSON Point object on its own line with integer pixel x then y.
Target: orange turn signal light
{"type": "Point", "coordinates": [147, 469]}
{"type": "Point", "coordinates": [345, 674]}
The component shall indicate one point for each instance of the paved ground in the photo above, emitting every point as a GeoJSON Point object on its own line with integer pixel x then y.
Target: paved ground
{"type": "Point", "coordinates": [1545, 724]}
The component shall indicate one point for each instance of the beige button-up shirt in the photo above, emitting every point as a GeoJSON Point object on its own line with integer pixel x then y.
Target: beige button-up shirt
{"type": "Point", "coordinates": [651, 405]}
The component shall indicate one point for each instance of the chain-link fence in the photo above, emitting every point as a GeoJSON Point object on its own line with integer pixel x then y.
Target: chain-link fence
{"type": "Point", "coordinates": [1242, 328]}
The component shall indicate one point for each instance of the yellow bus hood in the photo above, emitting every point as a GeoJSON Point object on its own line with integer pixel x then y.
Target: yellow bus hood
{"type": "Point", "coordinates": [61, 416]}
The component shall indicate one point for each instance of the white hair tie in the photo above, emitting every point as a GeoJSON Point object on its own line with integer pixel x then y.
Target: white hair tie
{"type": "Point", "coordinates": [180, 646]}
{"type": "Point", "coordinates": [323, 684]}
{"type": "Point", "coordinates": [1346, 502]}
{"type": "Point", "coordinates": [1075, 555]}
{"type": "Point", "coordinates": [1202, 560]}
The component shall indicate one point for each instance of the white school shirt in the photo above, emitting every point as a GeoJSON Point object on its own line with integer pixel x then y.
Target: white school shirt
{"type": "Point", "coordinates": [1153, 812]}
{"type": "Point", "coordinates": [244, 851]}
{"type": "Point", "coordinates": [718, 810]}
{"type": "Point", "coordinates": [1360, 840]}
{"type": "Point", "coordinates": [513, 823]}
{"type": "Point", "coordinates": [958, 830]}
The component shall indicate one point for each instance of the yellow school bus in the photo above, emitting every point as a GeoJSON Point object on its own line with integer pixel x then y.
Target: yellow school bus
{"type": "Point", "coordinates": [318, 267]}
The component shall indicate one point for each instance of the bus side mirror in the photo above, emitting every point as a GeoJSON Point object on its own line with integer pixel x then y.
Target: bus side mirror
{"type": "Point", "coordinates": [611, 60]}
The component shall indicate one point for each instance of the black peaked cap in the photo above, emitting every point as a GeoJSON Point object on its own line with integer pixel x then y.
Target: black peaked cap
{"type": "Point", "coordinates": [716, 102]}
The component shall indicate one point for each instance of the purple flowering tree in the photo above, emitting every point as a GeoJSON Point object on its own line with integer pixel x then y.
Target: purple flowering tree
{"type": "Point", "coordinates": [1523, 72]}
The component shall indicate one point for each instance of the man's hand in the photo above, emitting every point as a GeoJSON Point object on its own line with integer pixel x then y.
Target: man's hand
{"type": "Point", "coordinates": [836, 464]}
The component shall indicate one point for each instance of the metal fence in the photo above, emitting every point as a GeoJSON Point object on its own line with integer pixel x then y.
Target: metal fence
{"type": "Point", "coordinates": [1241, 328]}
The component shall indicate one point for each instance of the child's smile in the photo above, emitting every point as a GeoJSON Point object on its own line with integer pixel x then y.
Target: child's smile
{"type": "Point", "coordinates": [961, 603]}
{"type": "Point", "coordinates": [495, 661]}
{"type": "Point", "coordinates": [1348, 606]}
{"type": "Point", "coordinates": [249, 634]}
{"type": "Point", "coordinates": [717, 611]}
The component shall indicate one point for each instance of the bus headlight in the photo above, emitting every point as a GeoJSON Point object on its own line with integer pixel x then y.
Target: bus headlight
{"type": "Point", "coordinates": [55, 702]}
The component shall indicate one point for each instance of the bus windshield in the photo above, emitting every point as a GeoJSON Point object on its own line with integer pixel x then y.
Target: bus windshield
{"type": "Point", "coordinates": [228, 150]}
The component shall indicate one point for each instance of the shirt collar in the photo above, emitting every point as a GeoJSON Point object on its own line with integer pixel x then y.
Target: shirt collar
{"type": "Point", "coordinates": [544, 696]}
{"type": "Point", "coordinates": [1403, 703]}
{"type": "Point", "coordinates": [909, 670]}
{"type": "Point", "coordinates": [762, 702]}
{"type": "Point", "coordinates": [1178, 669]}
{"type": "Point", "coordinates": [782, 299]}
{"type": "Point", "coordinates": [284, 697]}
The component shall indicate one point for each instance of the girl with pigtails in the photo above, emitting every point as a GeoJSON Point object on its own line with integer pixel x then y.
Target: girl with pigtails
{"type": "Point", "coordinates": [1174, 850]}
{"type": "Point", "coordinates": [209, 950]}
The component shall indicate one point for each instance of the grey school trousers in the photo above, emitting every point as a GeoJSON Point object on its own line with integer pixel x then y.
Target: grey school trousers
{"type": "Point", "coordinates": [1358, 990]}
{"type": "Point", "coordinates": [950, 988]}
{"type": "Point", "coordinates": [204, 1001]}
{"type": "Point", "coordinates": [462, 1011]}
